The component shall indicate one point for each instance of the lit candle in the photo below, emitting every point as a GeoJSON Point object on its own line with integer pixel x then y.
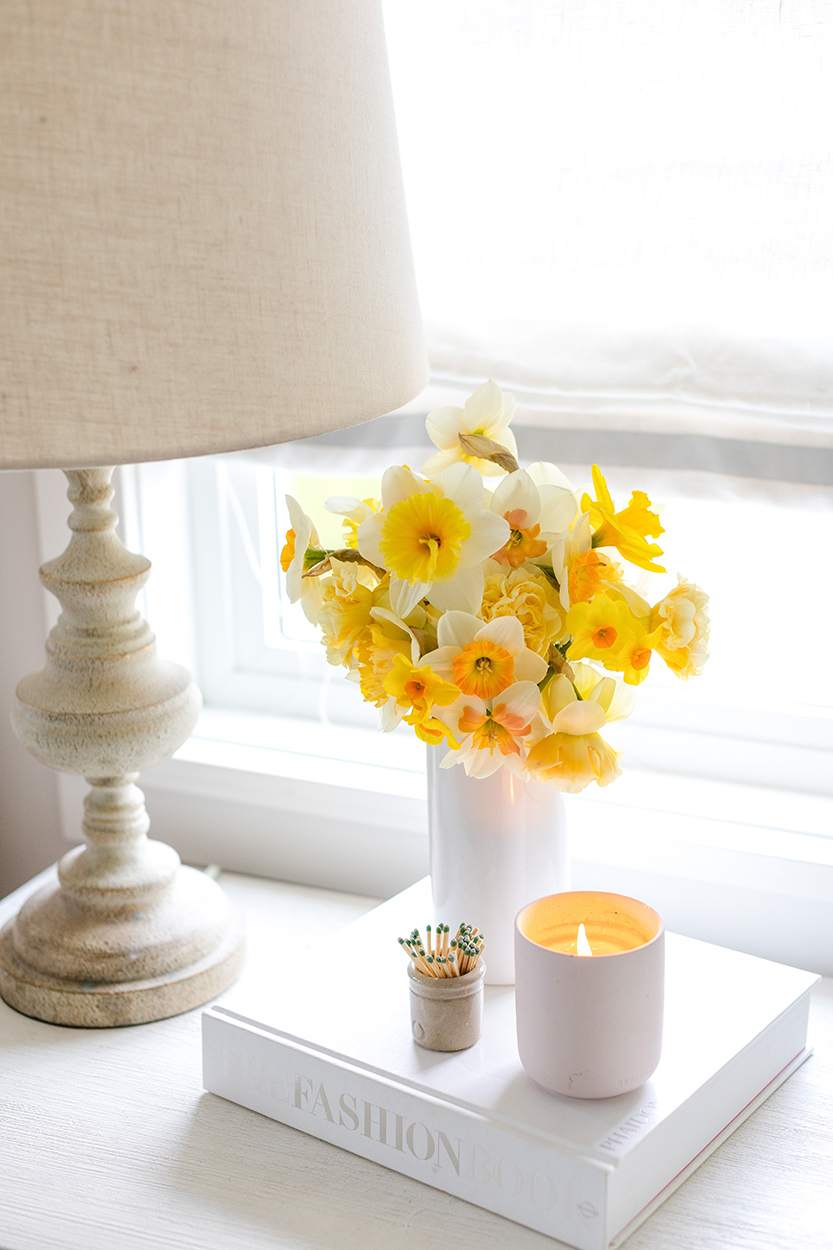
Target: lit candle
{"type": "Point", "coordinates": [589, 981]}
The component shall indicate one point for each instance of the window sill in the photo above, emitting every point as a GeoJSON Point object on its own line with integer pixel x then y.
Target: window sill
{"type": "Point", "coordinates": [741, 866]}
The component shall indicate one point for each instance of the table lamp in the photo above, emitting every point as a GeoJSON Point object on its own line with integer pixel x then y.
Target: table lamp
{"type": "Point", "coordinates": [203, 247]}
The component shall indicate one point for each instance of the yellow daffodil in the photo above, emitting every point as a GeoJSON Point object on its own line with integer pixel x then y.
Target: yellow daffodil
{"type": "Point", "coordinates": [531, 597]}
{"type": "Point", "coordinates": [377, 648]}
{"type": "Point", "coordinates": [601, 629]}
{"type": "Point", "coordinates": [433, 538]}
{"type": "Point", "coordinates": [434, 732]}
{"type": "Point", "coordinates": [375, 652]}
{"type": "Point", "coordinates": [422, 538]}
{"type": "Point", "coordinates": [635, 656]}
{"type": "Point", "coordinates": [347, 600]}
{"type": "Point", "coordinates": [288, 551]}
{"type": "Point", "coordinates": [684, 629]}
{"type": "Point", "coordinates": [417, 689]}
{"type": "Point", "coordinates": [488, 412]}
{"type": "Point", "coordinates": [627, 530]}
{"type": "Point", "coordinates": [483, 668]}
{"type": "Point", "coordinates": [608, 631]}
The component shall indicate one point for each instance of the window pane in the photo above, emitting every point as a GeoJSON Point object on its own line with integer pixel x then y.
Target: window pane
{"type": "Point", "coordinates": [757, 561]}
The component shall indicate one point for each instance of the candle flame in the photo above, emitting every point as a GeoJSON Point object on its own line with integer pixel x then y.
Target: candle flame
{"type": "Point", "coordinates": [582, 945]}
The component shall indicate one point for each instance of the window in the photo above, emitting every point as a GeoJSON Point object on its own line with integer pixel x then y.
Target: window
{"type": "Point", "coordinates": [258, 652]}
{"type": "Point", "coordinates": [622, 213]}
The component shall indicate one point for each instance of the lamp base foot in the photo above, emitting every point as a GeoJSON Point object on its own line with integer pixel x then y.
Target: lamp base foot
{"type": "Point", "coordinates": [111, 1004]}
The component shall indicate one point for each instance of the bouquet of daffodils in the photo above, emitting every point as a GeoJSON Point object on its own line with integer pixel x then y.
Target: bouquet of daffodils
{"type": "Point", "coordinates": [486, 605]}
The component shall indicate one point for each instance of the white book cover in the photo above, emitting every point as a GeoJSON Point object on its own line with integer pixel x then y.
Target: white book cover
{"type": "Point", "coordinates": [332, 1055]}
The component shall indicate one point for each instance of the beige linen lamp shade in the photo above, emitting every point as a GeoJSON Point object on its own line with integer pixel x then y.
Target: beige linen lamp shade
{"type": "Point", "coordinates": [203, 247]}
{"type": "Point", "coordinates": [203, 238]}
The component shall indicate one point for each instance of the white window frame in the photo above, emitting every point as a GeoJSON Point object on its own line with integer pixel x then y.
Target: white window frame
{"type": "Point", "coordinates": [673, 729]}
{"type": "Point", "coordinates": [745, 866]}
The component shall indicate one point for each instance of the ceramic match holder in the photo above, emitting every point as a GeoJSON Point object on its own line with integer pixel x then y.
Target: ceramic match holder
{"type": "Point", "coordinates": [446, 1012]}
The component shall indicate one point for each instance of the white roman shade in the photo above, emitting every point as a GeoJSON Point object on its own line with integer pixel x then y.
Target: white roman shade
{"type": "Point", "coordinates": [623, 212]}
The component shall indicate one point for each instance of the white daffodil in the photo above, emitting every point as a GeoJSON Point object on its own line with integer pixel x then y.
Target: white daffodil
{"type": "Point", "coordinates": [567, 713]}
{"type": "Point", "coordinates": [488, 412]}
{"type": "Point", "coordinates": [433, 538]}
{"type": "Point", "coordinates": [299, 539]}
{"type": "Point", "coordinates": [384, 617]}
{"type": "Point", "coordinates": [616, 699]}
{"type": "Point", "coordinates": [559, 502]}
{"type": "Point", "coordinates": [574, 753]}
{"type": "Point", "coordinates": [355, 511]}
{"type": "Point", "coordinates": [484, 659]}
{"type": "Point", "coordinates": [491, 732]}
{"type": "Point", "coordinates": [536, 515]}
{"type": "Point", "coordinates": [566, 550]}
{"type": "Point", "coordinates": [390, 714]}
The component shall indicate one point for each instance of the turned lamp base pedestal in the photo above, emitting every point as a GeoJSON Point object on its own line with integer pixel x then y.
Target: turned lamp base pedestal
{"type": "Point", "coordinates": [128, 935]}
{"type": "Point", "coordinates": [108, 1004]}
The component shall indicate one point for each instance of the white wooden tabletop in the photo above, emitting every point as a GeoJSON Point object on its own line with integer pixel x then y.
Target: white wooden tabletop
{"type": "Point", "coordinates": [109, 1142]}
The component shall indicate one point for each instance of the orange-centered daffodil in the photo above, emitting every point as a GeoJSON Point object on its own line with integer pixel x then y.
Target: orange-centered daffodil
{"type": "Point", "coordinates": [302, 550]}
{"type": "Point", "coordinates": [635, 656]}
{"type": "Point", "coordinates": [601, 629]}
{"type": "Point", "coordinates": [524, 543]}
{"type": "Point", "coordinates": [288, 552]}
{"type": "Point", "coordinates": [418, 689]}
{"type": "Point", "coordinates": [492, 735]}
{"type": "Point", "coordinates": [588, 572]}
{"type": "Point", "coordinates": [495, 729]}
{"type": "Point", "coordinates": [483, 658]}
{"type": "Point", "coordinates": [483, 668]}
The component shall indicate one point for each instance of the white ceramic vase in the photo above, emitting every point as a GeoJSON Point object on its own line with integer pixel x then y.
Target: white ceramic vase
{"type": "Point", "coordinates": [496, 843]}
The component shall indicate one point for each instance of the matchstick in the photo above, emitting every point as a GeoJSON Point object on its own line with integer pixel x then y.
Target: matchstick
{"type": "Point", "coordinates": [444, 956]}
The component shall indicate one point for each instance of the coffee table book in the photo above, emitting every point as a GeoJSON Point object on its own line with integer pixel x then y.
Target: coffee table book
{"type": "Point", "coordinates": [331, 1053]}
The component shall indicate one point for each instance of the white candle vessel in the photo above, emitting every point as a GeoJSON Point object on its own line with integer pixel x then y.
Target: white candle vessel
{"type": "Point", "coordinates": [589, 1024]}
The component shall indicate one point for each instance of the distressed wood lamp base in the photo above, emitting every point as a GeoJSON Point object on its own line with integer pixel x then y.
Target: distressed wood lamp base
{"type": "Point", "coordinates": [107, 1004]}
{"type": "Point", "coordinates": [129, 934]}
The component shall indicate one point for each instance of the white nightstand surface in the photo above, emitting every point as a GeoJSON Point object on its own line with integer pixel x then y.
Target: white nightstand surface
{"type": "Point", "coordinates": [108, 1142]}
